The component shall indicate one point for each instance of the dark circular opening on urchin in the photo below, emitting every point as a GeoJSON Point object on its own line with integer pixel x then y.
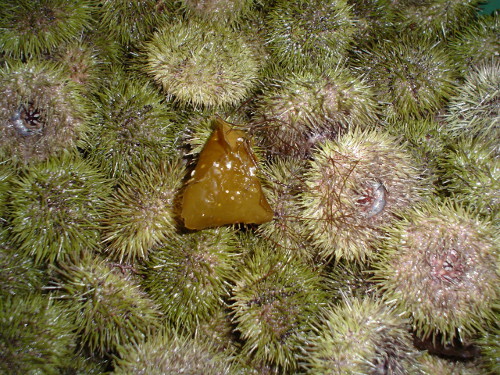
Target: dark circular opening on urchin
{"type": "Point", "coordinates": [28, 120]}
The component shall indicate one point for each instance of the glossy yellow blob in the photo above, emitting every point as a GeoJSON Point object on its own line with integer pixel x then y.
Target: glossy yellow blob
{"type": "Point", "coordinates": [224, 188]}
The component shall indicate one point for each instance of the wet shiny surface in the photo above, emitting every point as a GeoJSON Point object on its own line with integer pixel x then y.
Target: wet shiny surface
{"type": "Point", "coordinates": [224, 188]}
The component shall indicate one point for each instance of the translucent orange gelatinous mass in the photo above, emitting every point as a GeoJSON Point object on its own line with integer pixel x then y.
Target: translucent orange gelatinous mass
{"type": "Point", "coordinates": [224, 187]}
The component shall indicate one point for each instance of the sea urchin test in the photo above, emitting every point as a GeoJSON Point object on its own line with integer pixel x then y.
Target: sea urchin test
{"type": "Point", "coordinates": [224, 188]}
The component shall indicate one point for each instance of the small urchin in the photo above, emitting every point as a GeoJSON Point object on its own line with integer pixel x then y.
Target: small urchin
{"type": "Point", "coordinates": [439, 265]}
{"type": "Point", "coordinates": [201, 64]}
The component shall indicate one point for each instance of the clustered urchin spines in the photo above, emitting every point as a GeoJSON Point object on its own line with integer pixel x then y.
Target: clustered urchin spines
{"type": "Point", "coordinates": [141, 212]}
{"type": "Point", "coordinates": [354, 186]}
{"type": "Point", "coordinates": [189, 277]}
{"type": "Point", "coordinates": [130, 22]}
{"type": "Point", "coordinates": [282, 184]}
{"type": "Point", "coordinates": [276, 297]}
{"type": "Point", "coordinates": [107, 306]}
{"type": "Point", "coordinates": [36, 335]}
{"type": "Point", "coordinates": [227, 11]}
{"type": "Point", "coordinates": [132, 124]}
{"type": "Point", "coordinates": [413, 76]}
{"type": "Point", "coordinates": [31, 28]}
{"type": "Point", "coordinates": [439, 265]}
{"type": "Point", "coordinates": [477, 42]}
{"type": "Point", "coordinates": [303, 33]}
{"type": "Point", "coordinates": [361, 336]}
{"type": "Point", "coordinates": [42, 112]}
{"type": "Point", "coordinates": [474, 109]}
{"type": "Point", "coordinates": [431, 17]}
{"type": "Point", "coordinates": [55, 206]}
{"type": "Point", "coordinates": [201, 64]}
{"type": "Point", "coordinates": [470, 170]}
{"type": "Point", "coordinates": [303, 108]}
{"type": "Point", "coordinates": [169, 352]}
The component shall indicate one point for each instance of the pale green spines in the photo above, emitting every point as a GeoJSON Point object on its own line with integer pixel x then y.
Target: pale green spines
{"type": "Point", "coordinates": [132, 124]}
{"type": "Point", "coordinates": [18, 275]}
{"type": "Point", "coordinates": [130, 21]}
{"type": "Point", "coordinates": [471, 172]}
{"type": "Point", "coordinates": [55, 208]}
{"type": "Point", "coordinates": [106, 305]}
{"type": "Point", "coordinates": [412, 76]}
{"type": "Point", "coordinates": [433, 365]}
{"type": "Point", "coordinates": [295, 113]}
{"type": "Point", "coordinates": [30, 28]}
{"type": "Point", "coordinates": [433, 17]}
{"type": "Point", "coordinates": [189, 276]}
{"type": "Point", "coordinates": [303, 33]}
{"type": "Point", "coordinates": [439, 265]}
{"type": "Point", "coordinates": [489, 345]}
{"type": "Point", "coordinates": [170, 353]}
{"type": "Point", "coordinates": [353, 187]}
{"type": "Point", "coordinates": [223, 11]}
{"type": "Point", "coordinates": [282, 184]}
{"type": "Point", "coordinates": [140, 212]}
{"type": "Point", "coordinates": [474, 109]}
{"type": "Point", "coordinates": [201, 64]}
{"type": "Point", "coordinates": [362, 336]}
{"type": "Point", "coordinates": [478, 42]}
{"type": "Point", "coordinates": [275, 300]}
{"type": "Point", "coordinates": [36, 336]}
{"type": "Point", "coordinates": [42, 112]}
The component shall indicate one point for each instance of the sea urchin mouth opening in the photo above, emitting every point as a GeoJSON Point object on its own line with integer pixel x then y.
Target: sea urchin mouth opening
{"type": "Point", "coordinates": [28, 120]}
{"type": "Point", "coordinates": [373, 200]}
{"type": "Point", "coordinates": [447, 267]}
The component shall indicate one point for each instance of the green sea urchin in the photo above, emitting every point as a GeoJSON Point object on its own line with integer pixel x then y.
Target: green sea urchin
{"type": "Point", "coordinates": [108, 308]}
{"type": "Point", "coordinates": [353, 187]}
{"type": "Point", "coordinates": [189, 276]}
{"type": "Point", "coordinates": [201, 64]}
{"type": "Point", "coordinates": [29, 28]}
{"type": "Point", "coordinates": [412, 76]}
{"type": "Point", "coordinates": [132, 124]}
{"type": "Point", "coordinates": [304, 32]}
{"type": "Point", "coordinates": [292, 115]}
{"type": "Point", "coordinates": [36, 335]}
{"type": "Point", "coordinates": [439, 265]}
{"type": "Point", "coordinates": [275, 299]}
{"type": "Point", "coordinates": [55, 207]}
{"type": "Point", "coordinates": [474, 110]}
{"type": "Point", "coordinates": [362, 336]}
{"type": "Point", "coordinates": [42, 112]}
{"type": "Point", "coordinates": [140, 214]}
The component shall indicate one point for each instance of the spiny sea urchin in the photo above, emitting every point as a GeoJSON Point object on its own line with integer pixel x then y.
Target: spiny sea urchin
{"type": "Point", "coordinates": [309, 32]}
{"type": "Point", "coordinates": [362, 336]}
{"type": "Point", "coordinates": [439, 265]}
{"type": "Point", "coordinates": [353, 187]}
{"type": "Point", "coordinates": [107, 306]}
{"type": "Point", "coordinates": [189, 276]}
{"type": "Point", "coordinates": [42, 111]}
{"type": "Point", "coordinates": [296, 112]}
{"type": "Point", "coordinates": [201, 64]}
{"type": "Point", "coordinates": [55, 207]}
{"type": "Point", "coordinates": [140, 213]}
{"type": "Point", "coordinates": [29, 28]}
{"type": "Point", "coordinates": [275, 299]}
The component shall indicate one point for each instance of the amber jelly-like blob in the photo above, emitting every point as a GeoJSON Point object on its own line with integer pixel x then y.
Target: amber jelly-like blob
{"type": "Point", "coordinates": [224, 188]}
